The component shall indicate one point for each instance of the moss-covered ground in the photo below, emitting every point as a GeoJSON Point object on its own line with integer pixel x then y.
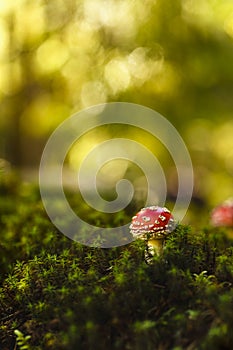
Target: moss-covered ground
{"type": "Point", "coordinates": [65, 295]}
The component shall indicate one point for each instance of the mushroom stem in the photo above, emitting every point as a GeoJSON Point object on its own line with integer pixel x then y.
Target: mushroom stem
{"type": "Point", "coordinates": [155, 246]}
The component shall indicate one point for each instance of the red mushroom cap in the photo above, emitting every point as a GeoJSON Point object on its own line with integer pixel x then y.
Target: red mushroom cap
{"type": "Point", "coordinates": [153, 222]}
{"type": "Point", "coordinates": [222, 215]}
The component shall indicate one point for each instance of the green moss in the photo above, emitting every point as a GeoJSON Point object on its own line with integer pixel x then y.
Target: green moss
{"type": "Point", "coordinates": [69, 296]}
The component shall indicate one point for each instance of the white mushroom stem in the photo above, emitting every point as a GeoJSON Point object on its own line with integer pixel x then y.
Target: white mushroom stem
{"type": "Point", "coordinates": [155, 246]}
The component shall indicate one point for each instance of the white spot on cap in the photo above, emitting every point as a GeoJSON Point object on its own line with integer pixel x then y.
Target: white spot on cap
{"type": "Point", "coordinates": [137, 223]}
{"type": "Point", "coordinates": [153, 207]}
{"type": "Point", "coordinates": [146, 218]}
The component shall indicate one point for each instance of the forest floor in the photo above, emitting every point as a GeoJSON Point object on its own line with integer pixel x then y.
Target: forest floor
{"type": "Point", "coordinates": [59, 294]}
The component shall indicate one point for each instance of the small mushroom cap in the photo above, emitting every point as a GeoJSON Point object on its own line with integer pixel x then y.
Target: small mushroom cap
{"type": "Point", "coordinates": [153, 222]}
{"type": "Point", "coordinates": [222, 215]}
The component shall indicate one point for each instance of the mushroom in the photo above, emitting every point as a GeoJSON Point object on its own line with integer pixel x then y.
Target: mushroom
{"type": "Point", "coordinates": [222, 215]}
{"type": "Point", "coordinates": [152, 224]}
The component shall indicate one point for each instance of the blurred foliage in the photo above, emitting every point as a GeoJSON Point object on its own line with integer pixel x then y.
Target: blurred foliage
{"type": "Point", "coordinates": [58, 57]}
{"type": "Point", "coordinates": [58, 294]}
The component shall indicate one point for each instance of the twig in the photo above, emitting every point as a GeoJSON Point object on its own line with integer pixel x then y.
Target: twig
{"type": "Point", "coordinates": [10, 316]}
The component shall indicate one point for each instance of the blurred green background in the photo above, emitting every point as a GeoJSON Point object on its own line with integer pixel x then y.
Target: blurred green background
{"type": "Point", "coordinates": [176, 57]}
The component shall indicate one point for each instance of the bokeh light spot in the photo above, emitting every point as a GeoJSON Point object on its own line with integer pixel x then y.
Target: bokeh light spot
{"type": "Point", "coordinates": [117, 75]}
{"type": "Point", "coordinates": [93, 93]}
{"type": "Point", "coordinates": [51, 55]}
